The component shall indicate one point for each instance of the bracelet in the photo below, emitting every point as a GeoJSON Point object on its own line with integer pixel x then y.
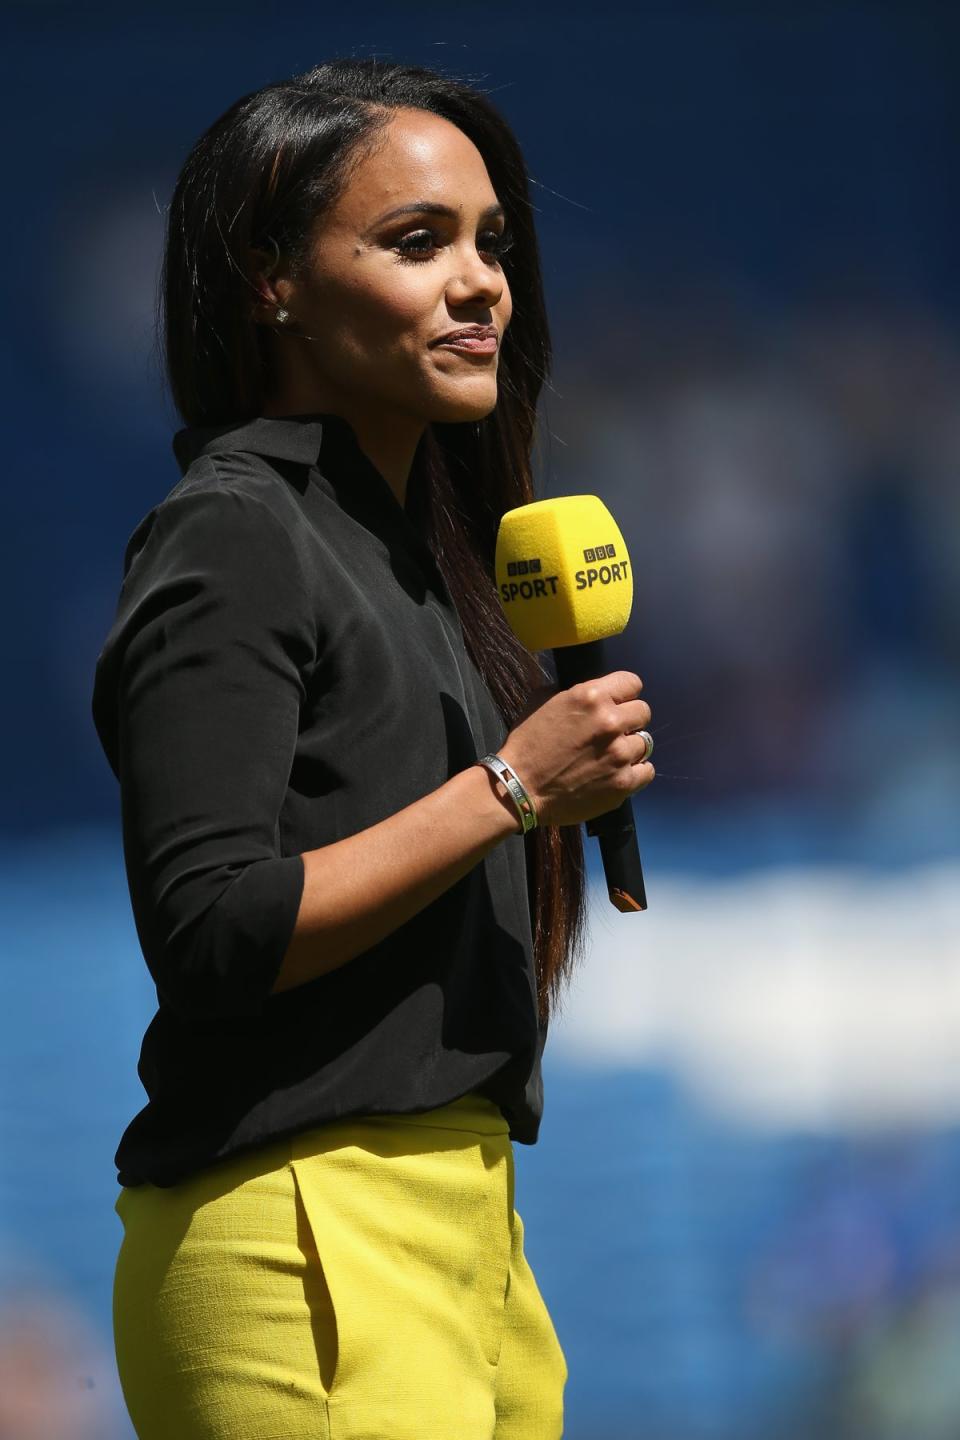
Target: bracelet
{"type": "Point", "coordinates": [499, 767]}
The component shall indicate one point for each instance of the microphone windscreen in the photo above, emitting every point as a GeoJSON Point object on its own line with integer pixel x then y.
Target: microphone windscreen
{"type": "Point", "coordinates": [562, 570]}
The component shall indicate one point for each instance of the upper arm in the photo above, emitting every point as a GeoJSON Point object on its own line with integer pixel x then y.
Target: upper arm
{"type": "Point", "coordinates": [215, 633]}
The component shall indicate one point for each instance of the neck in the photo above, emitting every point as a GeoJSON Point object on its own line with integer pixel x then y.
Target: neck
{"type": "Point", "coordinates": [389, 447]}
{"type": "Point", "coordinates": [388, 439]}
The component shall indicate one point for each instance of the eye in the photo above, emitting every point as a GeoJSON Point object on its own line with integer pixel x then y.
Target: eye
{"type": "Point", "coordinates": [419, 245]}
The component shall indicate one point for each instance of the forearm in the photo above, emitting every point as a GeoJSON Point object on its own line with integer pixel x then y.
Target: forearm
{"type": "Point", "coordinates": [358, 890]}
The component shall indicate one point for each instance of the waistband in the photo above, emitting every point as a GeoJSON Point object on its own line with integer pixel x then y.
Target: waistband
{"type": "Point", "coordinates": [472, 1113]}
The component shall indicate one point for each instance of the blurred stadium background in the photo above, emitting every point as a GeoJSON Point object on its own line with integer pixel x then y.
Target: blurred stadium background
{"type": "Point", "coordinates": [744, 1208]}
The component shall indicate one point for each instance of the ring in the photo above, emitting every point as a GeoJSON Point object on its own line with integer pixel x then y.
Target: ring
{"type": "Point", "coordinates": [649, 750]}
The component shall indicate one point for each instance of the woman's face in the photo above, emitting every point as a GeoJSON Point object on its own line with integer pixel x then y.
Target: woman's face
{"type": "Point", "coordinates": [382, 288]}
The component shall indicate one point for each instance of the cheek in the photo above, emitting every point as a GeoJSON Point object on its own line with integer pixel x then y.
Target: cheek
{"type": "Point", "coordinates": [388, 306]}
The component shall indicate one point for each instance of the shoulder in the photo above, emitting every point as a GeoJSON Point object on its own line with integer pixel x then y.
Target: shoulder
{"type": "Point", "coordinates": [234, 487]}
{"type": "Point", "coordinates": [232, 505]}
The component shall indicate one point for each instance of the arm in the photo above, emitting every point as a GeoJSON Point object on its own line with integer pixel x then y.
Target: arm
{"type": "Point", "coordinates": [360, 889]}
{"type": "Point", "coordinates": [197, 701]}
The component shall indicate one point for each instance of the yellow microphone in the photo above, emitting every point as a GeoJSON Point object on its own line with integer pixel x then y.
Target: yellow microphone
{"type": "Point", "coordinates": [565, 583]}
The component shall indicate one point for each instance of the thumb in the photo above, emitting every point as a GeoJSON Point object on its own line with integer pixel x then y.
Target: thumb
{"type": "Point", "coordinates": [536, 697]}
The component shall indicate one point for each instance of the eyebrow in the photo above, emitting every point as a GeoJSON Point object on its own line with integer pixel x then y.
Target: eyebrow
{"type": "Point", "coordinates": [429, 207]}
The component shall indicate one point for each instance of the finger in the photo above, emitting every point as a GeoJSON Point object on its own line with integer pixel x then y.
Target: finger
{"type": "Point", "coordinates": [623, 685]}
{"type": "Point", "coordinates": [644, 743]}
{"type": "Point", "coordinates": [635, 715]}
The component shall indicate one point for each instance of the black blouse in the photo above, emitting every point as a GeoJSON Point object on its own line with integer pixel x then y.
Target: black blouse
{"type": "Point", "coordinates": [286, 668]}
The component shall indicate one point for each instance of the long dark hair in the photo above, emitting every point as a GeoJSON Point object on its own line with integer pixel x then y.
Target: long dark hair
{"type": "Point", "coordinates": [268, 167]}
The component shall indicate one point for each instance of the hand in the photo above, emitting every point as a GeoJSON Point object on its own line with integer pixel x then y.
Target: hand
{"type": "Point", "coordinates": [575, 751]}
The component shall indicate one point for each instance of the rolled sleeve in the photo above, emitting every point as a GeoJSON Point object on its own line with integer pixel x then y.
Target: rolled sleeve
{"type": "Point", "coordinates": [214, 636]}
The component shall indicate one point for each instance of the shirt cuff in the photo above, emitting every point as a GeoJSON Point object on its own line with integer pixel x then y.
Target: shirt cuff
{"type": "Point", "coordinates": [231, 962]}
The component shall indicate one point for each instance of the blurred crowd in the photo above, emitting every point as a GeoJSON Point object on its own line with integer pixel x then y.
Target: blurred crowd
{"type": "Point", "coordinates": [785, 476]}
{"type": "Point", "coordinates": [788, 486]}
{"type": "Point", "coordinates": [864, 1278]}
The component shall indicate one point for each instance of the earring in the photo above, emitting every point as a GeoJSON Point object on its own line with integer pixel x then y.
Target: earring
{"type": "Point", "coordinates": [282, 315]}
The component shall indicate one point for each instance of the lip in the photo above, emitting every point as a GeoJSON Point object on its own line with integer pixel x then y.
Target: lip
{"type": "Point", "coordinates": [471, 339]}
{"type": "Point", "coordinates": [471, 345]}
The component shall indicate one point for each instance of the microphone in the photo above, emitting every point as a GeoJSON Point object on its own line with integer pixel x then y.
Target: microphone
{"type": "Point", "coordinates": [559, 593]}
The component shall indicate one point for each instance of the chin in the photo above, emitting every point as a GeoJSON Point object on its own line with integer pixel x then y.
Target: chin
{"type": "Point", "coordinates": [458, 409]}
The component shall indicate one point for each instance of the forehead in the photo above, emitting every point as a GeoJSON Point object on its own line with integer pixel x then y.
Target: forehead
{"type": "Point", "coordinates": [417, 156]}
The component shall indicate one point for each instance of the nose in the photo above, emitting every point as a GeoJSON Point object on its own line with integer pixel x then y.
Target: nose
{"type": "Point", "coordinates": [475, 280]}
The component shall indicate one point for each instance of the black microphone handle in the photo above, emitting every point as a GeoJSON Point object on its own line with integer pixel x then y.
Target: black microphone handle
{"type": "Point", "coordinates": [614, 829]}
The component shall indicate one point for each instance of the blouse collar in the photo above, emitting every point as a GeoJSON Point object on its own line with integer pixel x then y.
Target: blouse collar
{"type": "Point", "coordinates": [318, 440]}
{"type": "Point", "coordinates": [327, 445]}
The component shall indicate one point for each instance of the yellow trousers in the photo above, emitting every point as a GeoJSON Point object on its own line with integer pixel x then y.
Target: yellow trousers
{"type": "Point", "coordinates": [363, 1280]}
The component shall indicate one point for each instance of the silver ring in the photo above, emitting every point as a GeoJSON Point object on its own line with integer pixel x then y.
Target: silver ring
{"type": "Point", "coordinates": [649, 750]}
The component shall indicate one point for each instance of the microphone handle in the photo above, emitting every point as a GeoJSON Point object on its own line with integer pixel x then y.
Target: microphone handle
{"type": "Point", "coordinates": [615, 829]}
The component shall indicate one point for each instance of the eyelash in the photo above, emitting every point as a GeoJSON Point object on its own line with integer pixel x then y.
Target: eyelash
{"type": "Point", "coordinates": [503, 244]}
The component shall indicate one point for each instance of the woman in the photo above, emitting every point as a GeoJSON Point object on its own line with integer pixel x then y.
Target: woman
{"type": "Point", "coordinates": [356, 932]}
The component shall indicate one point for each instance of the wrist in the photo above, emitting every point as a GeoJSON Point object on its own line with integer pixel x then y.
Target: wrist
{"type": "Point", "coordinates": [511, 790]}
{"type": "Point", "coordinates": [507, 819]}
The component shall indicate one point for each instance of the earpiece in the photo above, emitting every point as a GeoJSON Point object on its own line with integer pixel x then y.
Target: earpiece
{"type": "Point", "coordinates": [281, 313]}
{"type": "Point", "coordinates": [276, 255]}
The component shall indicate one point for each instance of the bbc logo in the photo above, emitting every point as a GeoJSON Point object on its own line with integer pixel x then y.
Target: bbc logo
{"type": "Point", "coordinates": [523, 567]}
{"type": "Point", "coordinates": [600, 552]}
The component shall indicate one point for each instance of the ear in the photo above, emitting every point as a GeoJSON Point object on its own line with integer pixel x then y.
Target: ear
{"type": "Point", "coordinates": [272, 290]}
